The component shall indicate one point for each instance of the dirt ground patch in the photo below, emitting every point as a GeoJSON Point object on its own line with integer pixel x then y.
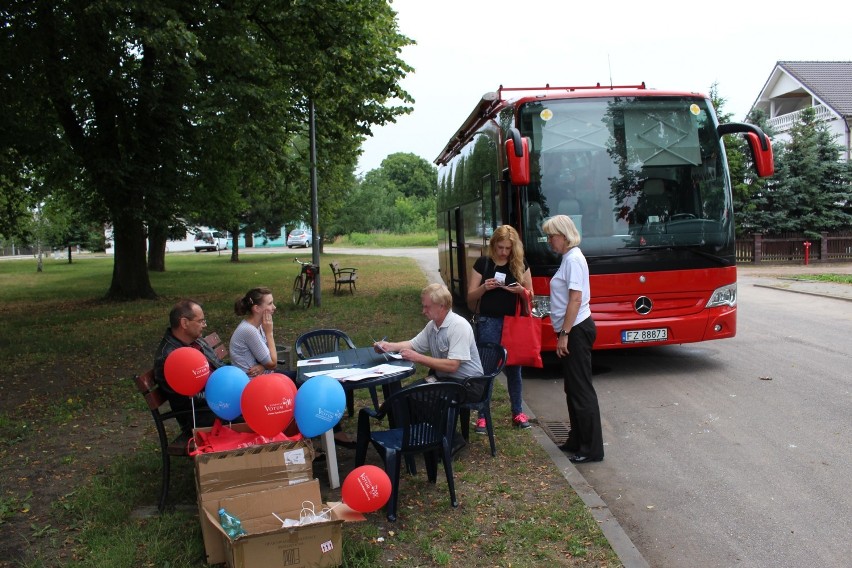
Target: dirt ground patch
{"type": "Point", "coordinates": [41, 465]}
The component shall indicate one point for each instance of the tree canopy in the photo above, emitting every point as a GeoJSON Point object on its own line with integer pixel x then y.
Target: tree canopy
{"type": "Point", "coordinates": [166, 110]}
{"type": "Point", "coordinates": [397, 197]}
{"type": "Point", "coordinates": [811, 190]}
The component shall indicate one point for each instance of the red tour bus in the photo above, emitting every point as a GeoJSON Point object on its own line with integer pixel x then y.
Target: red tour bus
{"type": "Point", "coordinates": [643, 175]}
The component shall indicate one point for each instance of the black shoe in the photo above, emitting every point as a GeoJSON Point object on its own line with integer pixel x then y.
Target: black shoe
{"type": "Point", "coordinates": [567, 446]}
{"type": "Point", "coordinates": [583, 459]}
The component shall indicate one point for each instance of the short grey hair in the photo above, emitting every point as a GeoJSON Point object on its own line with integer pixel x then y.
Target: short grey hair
{"type": "Point", "coordinates": [439, 294]}
{"type": "Point", "coordinates": [564, 225]}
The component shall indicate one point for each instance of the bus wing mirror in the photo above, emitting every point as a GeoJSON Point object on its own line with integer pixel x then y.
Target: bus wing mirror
{"type": "Point", "coordinates": [761, 149]}
{"type": "Point", "coordinates": [758, 142]}
{"type": "Point", "coordinates": [518, 158]}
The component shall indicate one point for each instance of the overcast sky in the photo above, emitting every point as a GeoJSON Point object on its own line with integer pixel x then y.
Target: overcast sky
{"type": "Point", "coordinates": [466, 48]}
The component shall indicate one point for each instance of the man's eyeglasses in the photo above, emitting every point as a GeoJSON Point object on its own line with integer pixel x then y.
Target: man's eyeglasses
{"type": "Point", "coordinates": [202, 321]}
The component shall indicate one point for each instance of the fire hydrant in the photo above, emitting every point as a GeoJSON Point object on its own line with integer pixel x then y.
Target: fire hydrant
{"type": "Point", "coordinates": [807, 251]}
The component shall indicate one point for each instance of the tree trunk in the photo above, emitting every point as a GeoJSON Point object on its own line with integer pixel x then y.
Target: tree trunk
{"type": "Point", "coordinates": [235, 246]}
{"type": "Point", "coordinates": [156, 250]}
{"type": "Point", "coordinates": [249, 239]}
{"type": "Point", "coordinates": [130, 280]}
{"type": "Point", "coordinates": [69, 254]}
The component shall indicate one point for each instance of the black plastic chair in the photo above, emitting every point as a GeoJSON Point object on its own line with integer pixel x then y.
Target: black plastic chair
{"type": "Point", "coordinates": [320, 341]}
{"type": "Point", "coordinates": [424, 416]}
{"type": "Point", "coordinates": [493, 357]}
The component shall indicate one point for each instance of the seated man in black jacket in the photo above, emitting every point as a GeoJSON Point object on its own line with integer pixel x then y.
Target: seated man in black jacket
{"type": "Point", "coordinates": [186, 324]}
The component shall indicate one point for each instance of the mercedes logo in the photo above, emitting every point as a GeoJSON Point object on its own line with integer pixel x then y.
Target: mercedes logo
{"type": "Point", "coordinates": [643, 305]}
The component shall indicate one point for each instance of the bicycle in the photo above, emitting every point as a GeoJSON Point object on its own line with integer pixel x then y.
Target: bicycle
{"type": "Point", "coordinates": [303, 286]}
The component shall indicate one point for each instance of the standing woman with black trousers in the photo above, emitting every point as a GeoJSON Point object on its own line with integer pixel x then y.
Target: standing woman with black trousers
{"type": "Point", "coordinates": [575, 329]}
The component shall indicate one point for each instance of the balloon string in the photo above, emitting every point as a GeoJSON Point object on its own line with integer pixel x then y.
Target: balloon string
{"type": "Point", "coordinates": [192, 402]}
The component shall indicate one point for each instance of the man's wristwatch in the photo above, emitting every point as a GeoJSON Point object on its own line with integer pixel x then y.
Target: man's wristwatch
{"type": "Point", "coordinates": [562, 332]}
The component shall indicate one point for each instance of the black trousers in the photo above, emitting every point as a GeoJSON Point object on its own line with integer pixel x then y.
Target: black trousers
{"type": "Point", "coordinates": [584, 414]}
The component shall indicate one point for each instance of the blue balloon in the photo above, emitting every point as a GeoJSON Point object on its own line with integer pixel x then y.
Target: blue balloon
{"type": "Point", "coordinates": [320, 403]}
{"type": "Point", "coordinates": [223, 391]}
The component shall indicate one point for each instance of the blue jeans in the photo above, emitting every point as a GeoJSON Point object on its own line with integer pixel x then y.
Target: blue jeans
{"type": "Point", "coordinates": [490, 329]}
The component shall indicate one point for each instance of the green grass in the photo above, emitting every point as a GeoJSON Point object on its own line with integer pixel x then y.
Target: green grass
{"type": "Point", "coordinates": [387, 240]}
{"type": "Point", "coordinates": [68, 357]}
{"type": "Point", "coordinates": [836, 278]}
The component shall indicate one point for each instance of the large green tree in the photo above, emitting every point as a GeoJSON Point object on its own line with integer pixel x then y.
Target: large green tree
{"type": "Point", "coordinates": [811, 189]}
{"type": "Point", "coordinates": [397, 197]}
{"type": "Point", "coordinates": [177, 110]}
{"type": "Point", "coordinates": [745, 183]}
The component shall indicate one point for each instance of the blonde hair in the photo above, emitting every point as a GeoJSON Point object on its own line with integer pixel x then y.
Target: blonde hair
{"type": "Point", "coordinates": [516, 257]}
{"type": "Point", "coordinates": [439, 294]}
{"type": "Point", "coordinates": [563, 225]}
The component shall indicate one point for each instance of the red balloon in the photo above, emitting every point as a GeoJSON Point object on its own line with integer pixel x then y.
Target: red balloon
{"type": "Point", "coordinates": [267, 403]}
{"type": "Point", "coordinates": [366, 489]}
{"type": "Point", "coordinates": [186, 370]}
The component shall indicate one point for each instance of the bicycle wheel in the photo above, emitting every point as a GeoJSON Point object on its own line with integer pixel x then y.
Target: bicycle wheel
{"type": "Point", "coordinates": [297, 290]}
{"type": "Point", "coordinates": [308, 293]}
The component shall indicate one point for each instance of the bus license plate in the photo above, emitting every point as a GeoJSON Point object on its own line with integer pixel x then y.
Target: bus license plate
{"type": "Point", "coordinates": [640, 335]}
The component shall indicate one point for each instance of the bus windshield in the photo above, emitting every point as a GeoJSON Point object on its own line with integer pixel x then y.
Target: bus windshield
{"type": "Point", "coordinates": [643, 178]}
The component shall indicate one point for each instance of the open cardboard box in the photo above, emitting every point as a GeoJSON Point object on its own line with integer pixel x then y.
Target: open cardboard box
{"type": "Point", "coordinates": [268, 544]}
{"type": "Point", "coordinates": [257, 468]}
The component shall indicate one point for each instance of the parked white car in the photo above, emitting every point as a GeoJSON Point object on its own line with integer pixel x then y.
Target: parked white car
{"type": "Point", "coordinates": [299, 238]}
{"type": "Point", "coordinates": [210, 240]}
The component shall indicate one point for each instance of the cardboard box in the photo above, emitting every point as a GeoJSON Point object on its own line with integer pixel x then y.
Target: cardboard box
{"type": "Point", "coordinates": [258, 468]}
{"type": "Point", "coordinates": [287, 462]}
{"type": "Point", "coordinates": [268, 544]}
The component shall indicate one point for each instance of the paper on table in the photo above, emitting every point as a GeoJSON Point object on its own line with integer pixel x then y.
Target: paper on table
{"type": "Point", "coordinates": [354, 374]}
{"type": "Point", "coordinates": [317, 361]}
{"type": "Point", "coordinates": [373, 372]}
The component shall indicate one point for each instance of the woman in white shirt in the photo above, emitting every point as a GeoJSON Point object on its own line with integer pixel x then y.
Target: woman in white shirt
{"type": "Point", "coordinates": [576, 332]}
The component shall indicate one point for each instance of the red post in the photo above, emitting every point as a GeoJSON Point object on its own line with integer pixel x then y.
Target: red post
{"type": "Point", "coordinates": [807, 251]}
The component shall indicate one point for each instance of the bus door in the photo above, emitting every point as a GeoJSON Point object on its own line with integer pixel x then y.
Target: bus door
{"type": "Point", "coordinates": [454, 273]}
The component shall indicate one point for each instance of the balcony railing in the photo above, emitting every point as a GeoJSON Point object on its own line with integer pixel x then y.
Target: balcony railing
{"type": "Point", "coordinates": [785, 122]}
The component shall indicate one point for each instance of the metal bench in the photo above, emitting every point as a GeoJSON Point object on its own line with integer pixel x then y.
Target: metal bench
{"type": "Point", "coordinates": [343, 277]}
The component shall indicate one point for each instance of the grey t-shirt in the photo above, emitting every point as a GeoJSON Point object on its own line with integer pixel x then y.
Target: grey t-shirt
{"type": "Point", "coordinates": [453, 340]}
{"type": "Point", "coordinates": [248, 346]}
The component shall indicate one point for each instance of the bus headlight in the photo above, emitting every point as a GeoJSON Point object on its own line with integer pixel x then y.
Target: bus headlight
{"type": "Point", "coordinates": [724, 296]}
{"type": "Point", "coordinates": [541, 306]}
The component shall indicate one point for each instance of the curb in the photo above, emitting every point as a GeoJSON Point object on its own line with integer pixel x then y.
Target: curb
{"type": "Point", "coordinates": [791, 288]}
{"type": "Point", "coordinates": [619, 541]}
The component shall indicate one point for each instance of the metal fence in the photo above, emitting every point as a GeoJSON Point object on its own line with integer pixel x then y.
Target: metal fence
{"type": "Point", "coordinates": [793, 248]}
{"type": "Point", "coordinates": [14, 250]}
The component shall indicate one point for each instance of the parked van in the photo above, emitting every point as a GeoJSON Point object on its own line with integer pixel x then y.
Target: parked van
{"type": "Point", "coordinates": [210, 240]}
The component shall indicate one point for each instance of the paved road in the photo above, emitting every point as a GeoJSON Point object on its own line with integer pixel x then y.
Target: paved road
{"type": "Point", "coordinates": [733, 452]}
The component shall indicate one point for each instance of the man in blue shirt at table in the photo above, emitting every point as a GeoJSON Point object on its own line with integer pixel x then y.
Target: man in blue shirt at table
{"type": "Point", "coordinates": [448, 338]}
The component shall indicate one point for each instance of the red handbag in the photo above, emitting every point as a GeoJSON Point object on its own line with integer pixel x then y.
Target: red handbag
{"type": "Point", "coordinates": [522, 337]}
